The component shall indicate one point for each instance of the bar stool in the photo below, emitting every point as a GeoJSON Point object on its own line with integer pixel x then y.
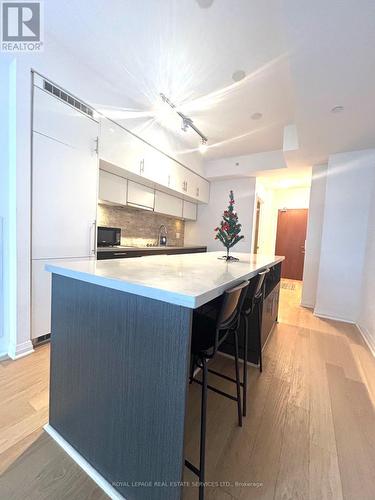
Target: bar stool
{"type": "Point", "coordinates": [253, 299]}
{"type": "Point", "coordinates": [208, 333]}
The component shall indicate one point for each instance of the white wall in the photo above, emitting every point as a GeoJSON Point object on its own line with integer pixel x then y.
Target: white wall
{"type": "Point", "coordinates": [209, 216]}
{"type": "Point", "coordinates": [350, 179]}
{"type": "Point", "coordinates": [4, 205]}
{"type": "Point", "coordinates": [61, 67]}
{"type": "Point", "coordinates": [366, 320]}
{"type": "Point", "coordinates": [267, 225]}
{"type": "Point", "coordinates": [314, 235]}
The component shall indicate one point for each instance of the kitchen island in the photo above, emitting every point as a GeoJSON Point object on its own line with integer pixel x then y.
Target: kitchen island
{"type": "Point", "coordinates": [120, 353]}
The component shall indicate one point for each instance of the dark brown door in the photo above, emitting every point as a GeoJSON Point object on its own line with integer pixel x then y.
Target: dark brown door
{"type": "Point", "coordinates": [290, 241]}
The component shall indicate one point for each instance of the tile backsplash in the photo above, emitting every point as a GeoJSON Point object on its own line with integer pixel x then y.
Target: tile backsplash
{"type": "Point", "coordinates": [140, 227]}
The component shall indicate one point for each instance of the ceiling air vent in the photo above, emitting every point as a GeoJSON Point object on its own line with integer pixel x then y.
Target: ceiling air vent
{"type": "Point", "coordinates": [60, 94]}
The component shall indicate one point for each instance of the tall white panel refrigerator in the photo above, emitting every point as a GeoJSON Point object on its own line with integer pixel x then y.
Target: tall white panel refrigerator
{"type": "Point", "coordinates": [64, 195]}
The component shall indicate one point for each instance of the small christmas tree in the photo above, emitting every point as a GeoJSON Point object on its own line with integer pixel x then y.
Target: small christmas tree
{"type": "Point", "coordinates": [229, 230]}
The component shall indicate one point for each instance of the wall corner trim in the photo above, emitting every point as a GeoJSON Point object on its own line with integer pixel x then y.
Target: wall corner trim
{"type": "Point", "coordinates": [84, 464]}
{"type": "Point", "coordinates": [365, 334]}
{"type": "Point", "coordinates": [20, 350]}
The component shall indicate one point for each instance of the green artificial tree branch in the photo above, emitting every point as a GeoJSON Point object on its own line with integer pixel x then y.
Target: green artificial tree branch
{"type": "Point", "coordinates": [228, 232]}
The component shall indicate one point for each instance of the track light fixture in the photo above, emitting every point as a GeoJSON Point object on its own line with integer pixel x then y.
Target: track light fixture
{"type": "Point", "coordinates": [186, 121]}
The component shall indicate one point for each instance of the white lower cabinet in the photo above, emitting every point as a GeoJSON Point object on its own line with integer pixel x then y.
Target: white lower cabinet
{"type": "Point", "coordinates": [189, 210]}
{"type": "Point", "coordinates": [140, 196]}
{"type": "Point", "coordinates": [167, 204]}
{"type": "Point", "coordinates": [112, 188]}
{"type": "Point", "coordinates": [41, 296]}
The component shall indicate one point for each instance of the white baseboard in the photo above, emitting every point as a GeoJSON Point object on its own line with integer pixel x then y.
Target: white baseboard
{"type": "Point", "coordinates": [83, 463]}
{"type": "Point", "coordinates": [367, 338]}
{"type": "Point", "coordinates": [20, 350]}
{"type": "Point", "coordinates": [327, 315]}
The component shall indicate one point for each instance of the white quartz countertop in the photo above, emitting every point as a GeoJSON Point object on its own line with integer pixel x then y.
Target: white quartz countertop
{"type": "Point", "coordinates": [189, 280]}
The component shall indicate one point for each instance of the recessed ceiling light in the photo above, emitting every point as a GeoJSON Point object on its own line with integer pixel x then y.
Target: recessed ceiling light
{"type": "Point", "coordinates": [205, 4]}
{"type": "Point", "coordinates": [337, 109]}
{"type": "Point", "coordinates": [256, 116]}
{"type": "Point", "coordinates": [238, 75]}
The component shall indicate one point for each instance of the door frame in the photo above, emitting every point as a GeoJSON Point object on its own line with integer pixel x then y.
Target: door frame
{"type": "Point", "coordinates": [257, 216]}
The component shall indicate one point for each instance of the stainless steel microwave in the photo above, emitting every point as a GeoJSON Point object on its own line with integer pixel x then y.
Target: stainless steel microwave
{"type": "Point", "coordinates": [109, 236]}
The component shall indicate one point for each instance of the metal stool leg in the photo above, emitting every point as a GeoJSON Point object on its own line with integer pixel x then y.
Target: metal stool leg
{"type": "Point", "coordinates": [238, 382]}
{"type": "Point", "coordinates": [192, 366]}
{"type": "Point", "coordinates": [245, 359]}
{"type": "Point", "coordinates": [202, 456]}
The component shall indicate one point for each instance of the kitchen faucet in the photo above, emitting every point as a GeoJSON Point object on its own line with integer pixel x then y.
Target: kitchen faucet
{"type": "Point", "coordinates": [162, 239]}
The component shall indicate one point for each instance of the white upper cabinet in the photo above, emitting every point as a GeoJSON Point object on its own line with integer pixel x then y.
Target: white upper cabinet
{"type": "Point", "coordinates": [154, 165]}
{"type": "Point", "coordinates": [168, 204]}
{"type": "Point", "coordinates": [122, 149]}
{"type": "Point", "coordinates": [191, 184]}
{"type": "Point", "coordinates": [186, 182]}
{"type": "Point", "coordinates": [57, 120]}
{"type": "Point", "coordinates": [176, 177]}
{"type": "Point", "coordinates": [112, 188]}
{"type": "Point", "coordinates": [203, 190]}
{"type": "Point", "coordinates": [140, 196]}
{"type": "Point", "coordinates": [189, 210]}
{"type": "Point", "coordinates": [119, 147]}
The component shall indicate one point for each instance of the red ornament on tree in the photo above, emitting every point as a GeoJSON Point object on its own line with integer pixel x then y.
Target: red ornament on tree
{"type": "Point", "coordinates": [229, 230]}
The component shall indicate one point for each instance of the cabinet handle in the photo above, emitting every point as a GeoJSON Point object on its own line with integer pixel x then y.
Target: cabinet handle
{"type": "Point", "coordinates": [169, 180]}
{"type": "Point", "coordinates": [120, 253]}
{"type": "Point", "coordinates": [186, 185]}
{"type": "Point", "coordinates": [142, 166]}
{"type": "Point", "coordinates": [183, 186]}
{"type": "Point", "coordinates": [197, 191]}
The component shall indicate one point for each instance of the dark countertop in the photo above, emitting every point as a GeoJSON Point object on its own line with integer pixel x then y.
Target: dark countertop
{"type": "Point", "coordinates": [147, 249]}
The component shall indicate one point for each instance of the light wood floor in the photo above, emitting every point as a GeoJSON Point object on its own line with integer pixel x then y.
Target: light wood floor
{"type": "Point", "coordinates": [309, 433]}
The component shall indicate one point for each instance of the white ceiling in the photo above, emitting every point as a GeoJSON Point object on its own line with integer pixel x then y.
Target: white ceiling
{"type": "Point", "coordinates": [301, 58]}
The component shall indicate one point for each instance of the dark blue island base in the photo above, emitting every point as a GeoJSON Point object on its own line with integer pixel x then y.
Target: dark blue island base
{"type": "Point", "coordinates": [119, 382]}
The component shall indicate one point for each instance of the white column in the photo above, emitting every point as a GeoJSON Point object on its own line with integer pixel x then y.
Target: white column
{"type": "Point", "coordinates": [19, 209]}
{"type": "Point", "coordinates": [314, 235]}
{"type": "Point", "coordinates": [350, 179]}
